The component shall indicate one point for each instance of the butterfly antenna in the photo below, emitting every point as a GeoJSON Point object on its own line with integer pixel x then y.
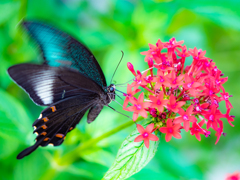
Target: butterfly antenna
{"type": "Point", "coordinates": [120, 97]}
{"type": "Point", "coordinates": [123, 83]}
{"type": "Point", "coordinates": [117, 102]}
{"type": "Point", "coordinates": [120, 91]}
{"type": "Point", "coordinates": [120, 112]}
{"type": "Point", "coordinates": [117, 66]}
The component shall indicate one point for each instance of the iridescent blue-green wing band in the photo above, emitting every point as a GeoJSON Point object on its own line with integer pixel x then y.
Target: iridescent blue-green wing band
{"type": "Point", "coordinates": [60, 49]}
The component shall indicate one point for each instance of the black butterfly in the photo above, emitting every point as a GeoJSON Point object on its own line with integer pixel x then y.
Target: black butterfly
{"type": "Point", "coordinates": [69, 82]}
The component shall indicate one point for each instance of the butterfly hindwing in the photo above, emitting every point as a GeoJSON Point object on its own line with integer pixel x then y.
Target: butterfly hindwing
{"type": "Point", "coordinates": [46, 85]}
{"type": "Point", "coordinates": [60, 49]}
{"type": "Point", "coordinates": [57, 120]}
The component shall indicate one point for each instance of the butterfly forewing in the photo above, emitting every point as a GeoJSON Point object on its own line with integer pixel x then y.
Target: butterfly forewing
{"type": "Point", "coordinates": [46, 85]}
{"type": "Point", "coordinates": [60, 49]}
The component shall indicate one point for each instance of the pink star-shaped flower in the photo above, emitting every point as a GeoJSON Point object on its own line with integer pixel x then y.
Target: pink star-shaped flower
{"type": "Point", "coordinates": [173, 105]}
{"type": "Point", "coordinates": [146, 134]}
{"type": "Point", "coordinates": [129, 95]}
{"type": "Point", "coordinates": [186, 117]}
{"type": "Point", "coordinates": [171, 130]}
{"type": "Point", "coordinates": [158, 102]}
{"type": "Point", "coordinates": [138, 107]}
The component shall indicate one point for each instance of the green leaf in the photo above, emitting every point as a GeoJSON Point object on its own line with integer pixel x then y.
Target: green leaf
{"type": "Point", "coordinates": [14, 118]}
{"type": "Point", "coordinates": [131, 157]}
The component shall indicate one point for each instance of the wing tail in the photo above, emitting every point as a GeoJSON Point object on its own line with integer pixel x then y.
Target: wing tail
{"type": "Point", "coordinates": [27, 151]}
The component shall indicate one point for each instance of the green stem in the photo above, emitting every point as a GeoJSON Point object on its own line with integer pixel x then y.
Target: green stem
{"type": "Point", "coordinates": [70, 157]}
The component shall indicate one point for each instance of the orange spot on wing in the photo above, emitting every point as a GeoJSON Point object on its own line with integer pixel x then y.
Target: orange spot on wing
{"type": "Point", "coordinates": [70, 128]}
{"type": "Point", "coordinates": [53, 108]}
{"type": "Point", "coordinates": [44, 126]}
{"type": "Point", "coordinates": [44, 133]}
{"type": "Point", "coordinates": [46, 139]}
{"type": "Point", "coordinates": [45, 119]}
{"type": "Point", "coordinates": [60, 135]}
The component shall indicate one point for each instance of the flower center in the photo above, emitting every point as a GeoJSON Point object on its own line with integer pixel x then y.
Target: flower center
{"type": "Point", "coordinates": [189, 85]}
{"type": "Point", "coordinates": [161, 79]}
{"type": "Point", "coordinates": [207, 64]}
{"type": "Point", "coordinates": [158, 102]}
{"type": "Point", "coordinates": [174, 82]}
{"type": "Point", "coordinates": [226, 97]}
{"type": "Point", "coordinates": [170, 130]}
{"type": "Point", "coordinates": [145, 135]}
{"type": "Point", "coordinates": [185, 117]}
{"type": "Point", "coordinates": [211, 117]}
{"type": "Point", "coordinates": [211, 92]}
{"type": "Point", "coordinates": [139, 82]}
{"type": "Point", "coordinates": [198, 108]}
{"type": "Point", "coordinates": [174, 106]}
{"type": "Point", "coordinates": [138, 106]}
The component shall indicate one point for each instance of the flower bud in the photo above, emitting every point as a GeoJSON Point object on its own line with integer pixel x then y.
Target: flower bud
{"type": "Point", "coordinates": [131, 68]}
{"type": "Point", "coordinates": [150, 64]}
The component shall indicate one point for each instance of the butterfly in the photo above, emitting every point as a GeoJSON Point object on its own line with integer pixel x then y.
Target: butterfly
{"type": "Point", "coordinates": [69, 82]}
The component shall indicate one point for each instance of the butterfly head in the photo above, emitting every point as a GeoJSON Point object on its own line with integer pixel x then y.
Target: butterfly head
{"type": "Point", "coordinates": [111, 91]}
{"type": "Point", "coordinates": [111, 88]}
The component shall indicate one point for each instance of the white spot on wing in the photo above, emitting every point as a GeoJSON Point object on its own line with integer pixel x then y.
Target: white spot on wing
{"type": "Point", "coordinates": [47, 96]}
{"type": "Point", "coordinates": [40, 116]}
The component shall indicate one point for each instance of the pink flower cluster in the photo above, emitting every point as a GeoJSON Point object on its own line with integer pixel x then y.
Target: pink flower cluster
{"type": "Point", "coordinates": [178, 96]}
{"type": "Point", "coordinates": [234, 176]}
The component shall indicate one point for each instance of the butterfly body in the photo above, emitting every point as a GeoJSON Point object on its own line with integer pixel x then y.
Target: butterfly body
{"type": "Point", "coordinates": [70, 82]}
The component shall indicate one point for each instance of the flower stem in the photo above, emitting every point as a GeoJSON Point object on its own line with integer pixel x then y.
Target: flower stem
{"type": "Point", "coordinates": [72, 155]}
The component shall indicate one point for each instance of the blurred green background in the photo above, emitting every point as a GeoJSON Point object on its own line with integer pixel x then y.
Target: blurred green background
{"type": "Point", "coordinates": [107, 27]}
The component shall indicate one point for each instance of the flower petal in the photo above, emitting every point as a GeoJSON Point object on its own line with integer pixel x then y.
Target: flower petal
{"type": "Point", "coordinates": [192, 119]}
{"type": "Point", "coordinates": [125, 103]}
{"type": "Point", "coordinates": [168, 137]}
{"type": "Point", "coordinates": [152, 98]}
{"type": "Point", "coordinates": [177, 127]}
{"type": "Point", "coordinates": [140, 98]}
{"type": "Point", "coordinates": [180, 104]}
{"type": "Point", "coordinates": [138, 138]}
{"type": "Point", "coordinates": [140, 129]}
{"type": "Point", "coordinates": [161, 95]}
{"type": "Point", "coordinates": [132, 100]}
{"type": "Point", "coordinates": [198, 136]}
{"type": "Point", "coordinates": [146, 104]}
{"type": "Point", "coordinates": [172, 99]}
{"type": "Point", "coordinates": [143, 113]}
{"type": "Point", "coordinates": [135, 116]}
{"type": "Point", "coordinates": [153, 137]}
{"type": "Point", "coordinates": [178, 120]}
{"type": "Point", "coordinates": [160, 109]}
{"type": "Point", "coordinates": [169, 123]}
{"type": "Point", "coordinates": [189, 110]}
{"type": "Point", "coordinates": [163, 129]}
{"type": "Point", "coordinates": [149, 128]}
{"type": "Point", "coordinates": [186, 125]}
{"type": "Point", "coordinates": [146, 142]}
{"type": "Point", "coordinates": [130, 108]}
{"type": "Point", "coordinates": [177, 135]}
{"type": "Point", "coordinates": [181, 112]}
